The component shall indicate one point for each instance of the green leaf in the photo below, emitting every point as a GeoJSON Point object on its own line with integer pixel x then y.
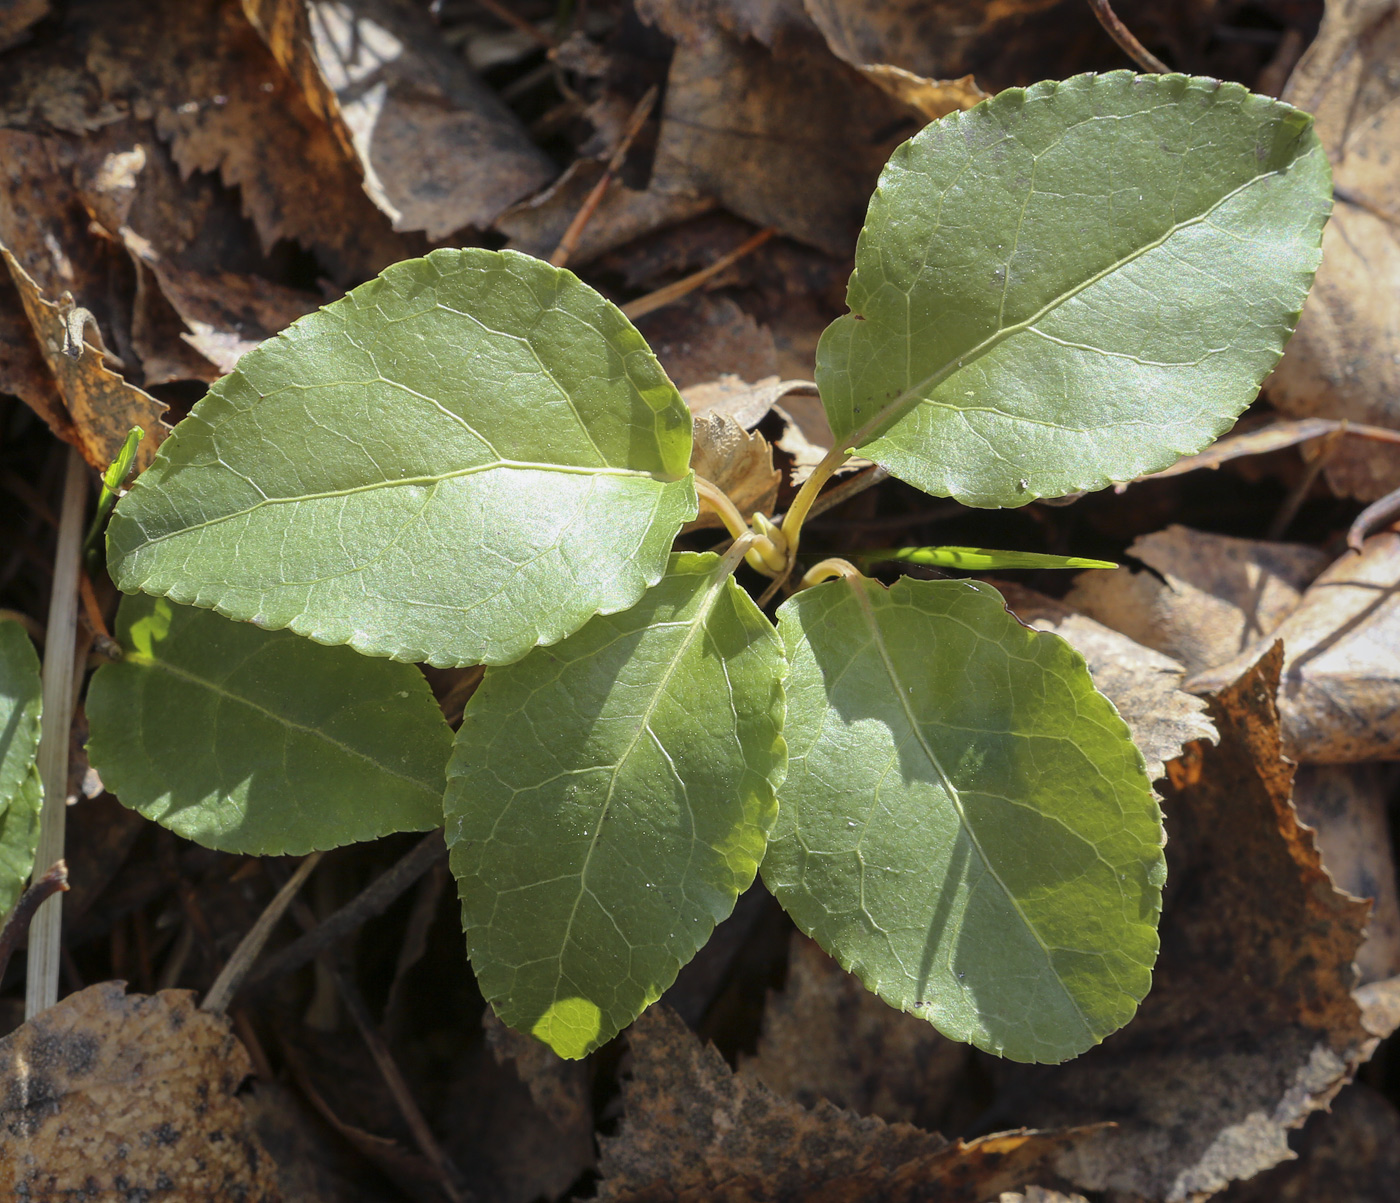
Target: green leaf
{"type": "Point", "coordinates": [1074, 283]}
{"type": "Point", "coordinates": [19, 838]}
{"type": "Point", "coordinates": [965, 824]}
{"type": "Point", "coordinates": [979, 559]}
{"type": "Point", "coordinates": [258, 742]}
{"type": "Point", "coordinates": [469, 455]}
{"type": "Point", "coordinates": [21, 792]}
{"type": "Point", "coordinates": [609, 799]}
{"type": "Point", "coordinates": [21, 700]}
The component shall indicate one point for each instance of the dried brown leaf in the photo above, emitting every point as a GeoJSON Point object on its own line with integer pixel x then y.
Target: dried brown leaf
{"type": "Point", "coordinates": [23, 371]}
{"type": "Point", "coordinates": [1143, 684]}
{"type": "Point", "coordinates": [110, 1095]}
{"type": "Point", "coordinates": [16, 17]}
{"type": "Point", "coordinates": [1211, 595]}
{"type": "Point", "coordinates": [1347, 807]}
{"type": "Point", "coordinates": [825, 1036]}
{"type": "Point", "coordinates": [739, 461]}
{"type": "Point", "coordinates": [1350, 1154]}
{"type": "Point", "coordinates": [699, 337]}
{"type": "Point", "coordinates": [1340, 698]}
{"type": "Point", "coordinates": [1344, 359]}
{"type": "Point", "coordinates": [734, 397]}
{"type": "Point", "coordinates": [438, 150]}
{"type": "Point", "coordinates": [695, 1131]}
{"type": "Point", "coordinates": [771, 22]}
{"type": "Point", "coordinates": [1251, 1023]}
{"type": "Point", "coordinates": [793, 140]}
{"type": "Point", "coordinates": [536, 225]}
{"type": "Point", "coordinates": [101, 404]}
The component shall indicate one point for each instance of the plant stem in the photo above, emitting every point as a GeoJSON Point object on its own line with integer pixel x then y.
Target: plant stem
{"type": "Point", "coordinates": [807, 495]}
{"type": "Point", "coordinates": [1127, 43]}
{"type": "Point", "coordinates": [720, 502]}
{"type": "Point", "coordinates": [41, 982]}
{"type": "Point", "coordinates": [828, 570]}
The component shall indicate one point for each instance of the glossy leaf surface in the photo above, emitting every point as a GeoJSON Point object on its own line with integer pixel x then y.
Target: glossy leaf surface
{"type": "Point", "coordinates": [469, 455]}
{"type": "Point", "coordinates": [965, 823]}
{"type": "Point", "coordinates": [608, 801]}
{"type": "Point", "coordinates": [260, 742]}
{"type": "Point", "coordinates": [21, 792]}
{"type": "Point", "coordinates": [1074, 283]}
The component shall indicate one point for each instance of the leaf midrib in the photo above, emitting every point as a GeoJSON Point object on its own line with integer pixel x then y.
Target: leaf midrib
{"type": "Point", "coordinates": [868, 612]}
{"type": "Point", "coordinates": [702, 615]}
{"type": "Point", "coordinates": [915, 394]}
{"type": "Point", "coordinates": [406, 482]}
{"type": "Point", "coordinates": [273, 716]}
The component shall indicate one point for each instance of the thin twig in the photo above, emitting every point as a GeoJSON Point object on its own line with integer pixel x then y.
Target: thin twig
{"type": "Point", "coordinates": [1298, 494]}
{"type": "Point", "coordinates": [374, 900]}
{"type": "Point", "coordinates": [60, 653]}
{"type": "Point", "coordinates": [503, 12]}
{"type": "Point", "coordinates": [1374, 515]}
{"type": "Point", "coordinates": [231, 977]}
{"type": "Point", "coordinates": [674, 292]}
{"type": "Point", "coordinates": [53, 881]}
{"type": "Point", "coordinates": [569, 242]}
{"type": "Point", "coordinates": [1128, 44]}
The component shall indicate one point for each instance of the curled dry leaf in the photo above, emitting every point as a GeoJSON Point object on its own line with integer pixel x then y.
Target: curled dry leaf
{"type": "Point", "coordinates": [23, 371]}
{"type": "Point", "coordinates": [437, 149]}
{"type": "Point", "coordinates": [536, 225]}
{"type": "Point", "coordinates": [1251, 1023]}
{"type": "Point", "coordinates": [123, 1096]}
{"type": "Point", "coordinates": [1344, 359]}
{"type": "Point", "coordinates": [694, 1131]}
{"type": "Point", "coordinates": [825, 1036]}
{"type": "Point", "coordinates": [739, 461]}
{"type": "Point", "coordinates": [1143, 684]}
{"type": "Point", "coordinates": [793, 140]}
{"type": "Point", "coordinates": [1208, 597]}
{"type": "Point", "coordinates": [102, 405]}
{"type": "Point", "coordinates": [732, 396]}
{"type": "Point", "coordinates": [1340, 697]}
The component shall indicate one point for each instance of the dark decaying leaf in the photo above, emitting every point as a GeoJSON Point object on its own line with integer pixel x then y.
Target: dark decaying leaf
{"type": "Point", "coordinates": [740, 124]}
{"type": "Point", "coordinates": [693, 1131]}
{"type": "Point", "coordinates": [701, 337]}
{"type": "Point", "coordinates": [1340, 696]}
{"type": "Point", "coordinates": [1251, 1023]}
{"type": "Point", "coordinates": [113, 1095]}
{"type": "Point", "coordinates": [825, 1036]}
{"type": "Point", "coordinates": [438, 151]}
{"type": "Point", "coordinates": [1344, 360]}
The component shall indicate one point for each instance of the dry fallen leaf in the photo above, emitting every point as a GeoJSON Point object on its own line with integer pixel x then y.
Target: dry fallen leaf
{"type": "Point", "coordinates": [1208, 597]}
{"type": "Point", "coordinates": [739, 461]}
{"type": "Point", "coordinates": [536, 225]}
{"type": "Point", "coordinates": [825, 1036]}
{"type": "Point", "coordinates": [1348, 1155]}
{"type": "Point", "coordinates": [102, 406]}
{"type": "Point", "coordinates": [437, 149]}
{"type": "Point", "coordinates": [1145, 685]}
{"type": "Point", "coordinates": [1344, 359]}
{"type": "Point", "coordinates": [111, 1095]}
{"type": "Point", "coordinates": [793, 140]}
{"type": "Point", "coordinates": [1252, 1022]}
{"type": "Point", "coordinates": [1340, 698]}
{"type": "Point", "coordinates": [731, 395]}
{"type": "Point", "coordinates": [694, 1131]}
{"type": "Point", "coordinates": [1347, 807]}
{"type": "Point", "coordinates": [700, 337]}
{"type": "Point", "coordinates": [23, 371]}
{"type": "Point", "coordinates": [16, 18]}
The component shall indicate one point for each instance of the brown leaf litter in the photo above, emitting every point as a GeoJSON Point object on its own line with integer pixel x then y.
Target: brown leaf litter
{"type": "Point", "coordinates": [1254, 1020]}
